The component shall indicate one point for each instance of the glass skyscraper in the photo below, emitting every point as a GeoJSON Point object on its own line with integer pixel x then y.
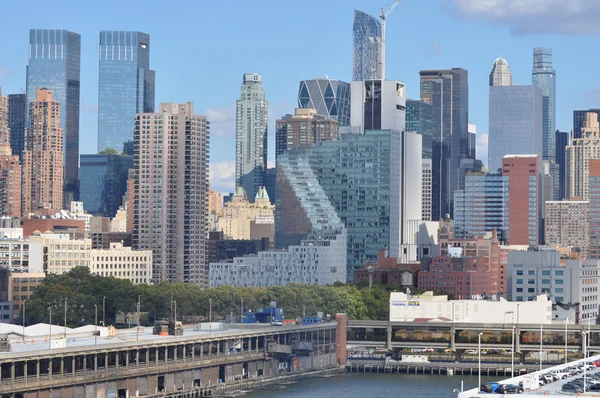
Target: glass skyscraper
{"type": "Point", "coordinates": [544, 77]}
{"type": "Point", "coordinates": [562, 141]}
{"type": "Point", "coordinates": [54, 63]}
{"type": "Point", "coordinates": [126, 86]}
{"type": "Point", "coordinates": [330, 98]}
{"type": "Point", "coordinates": [103, 182]}
{"type": "Point", "coordinates": [367, 47]}
{"type": "Point", "coordinates": [419, 118]}
{"type": "Point", "coordinates": [17, 111]}
{"type": "Point", "coordinates": [515, 123]}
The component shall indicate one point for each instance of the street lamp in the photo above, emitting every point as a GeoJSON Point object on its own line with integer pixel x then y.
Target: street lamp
{"type": "Point", "coordinates": [242, 311]}
{"type": "Point", "coordinates": [104, 311]}
{"type": "Point", "coordinates": [137, 338]}
{"type": "Point", "coordinates": [566, 338]}
{"type": "Point", "coordinates": [50, 329]}
{"type": "Point", "coordinates": [512, 353]}
{"type": "Point", "coordinates": [541, 343]}
{"type": "Point", "coordinates": [583, 335]}
{"type": "Point", "coordinates": [95, 323]}
{"type": "Point", "coordinates": [479, 352]}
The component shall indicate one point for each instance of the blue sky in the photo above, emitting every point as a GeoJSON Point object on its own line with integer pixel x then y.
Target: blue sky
{"type": "Point", "coordinates": [201, 48]}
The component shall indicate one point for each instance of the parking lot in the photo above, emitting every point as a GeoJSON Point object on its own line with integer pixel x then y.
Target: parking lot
{"type": "Point", "coordinates": [555, 388]}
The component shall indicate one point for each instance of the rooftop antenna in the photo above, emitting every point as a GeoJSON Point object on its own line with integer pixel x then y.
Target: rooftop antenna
{"type": "Point", "coordinates": [384, 15]}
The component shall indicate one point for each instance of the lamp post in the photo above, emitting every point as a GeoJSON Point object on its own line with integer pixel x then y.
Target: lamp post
{"type": "Point", "coordinates": [479, 354]}
{"type": "Point", "coordinates": [139, 303]}
{"type": "Point", "coordinates": [95, 323]}
{"type": "Point", "coordinates": [566, 338]}
{"type": "Point", "coordinates": [209, 310]}
{"type": "Point", "coordinates": [104, 311]}
{"type": "Point", "coordinates": [242, 311]}
{"type": "Point", "coordinates": [583, 335]}
{"type": "Point", "coordinates": [65, 336]}
{"type": "Point", "coordinates": [512, 353]}
{"type": "Point", "coordinates": [50, 329]}
{"type": "Point", "coordinates": [24, 321]}
{"type": "Point", "coordinates": [541, 343]}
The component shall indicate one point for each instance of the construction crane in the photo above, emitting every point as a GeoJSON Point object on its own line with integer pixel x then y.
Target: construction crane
{"type": "Point", "coordinates": [384, 15]}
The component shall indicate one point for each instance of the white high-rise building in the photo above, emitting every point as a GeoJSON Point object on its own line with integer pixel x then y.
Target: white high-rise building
{"type": "Point", "coordinates": [377, 105]}
{"type": "Point", "coordinates": [251, 135]}
{"type": "Point", "coordinates": [578, 156]}
{"type": "Point", "coordinates": [500, 75]}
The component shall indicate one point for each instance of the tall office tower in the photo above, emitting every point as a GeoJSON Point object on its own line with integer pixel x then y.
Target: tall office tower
{"type": "Point", "coordinates": [515, 123]}
{"type": "Point", "coordinates": [426, 191]}
{"type": "Point", "coordinates": [330, 98]}
{"type": "Point", "coordinates": [271, 183]}
{"type": "Point", "coordinates": [579, 118]}
{"type": "Point", "coordinates": [578, 156]}
{"type": "Point", "coordinates": [500, 74]}
{"type": "Point", "coordinates": [524, 201]}
{"type": "Point", "coordinates": [567, 225]}
{"type": "Point", "coordinates": [125, 88]}
{"type": "Point", "coordinates": [251, 135]}
{"type": "Point", "coordinates": [562, 141]}
{"type": "Point", "coordinates": [378, 105]}
{"type": "Point", "coordinates": [103, 182]}
{"type": "Point", "coordinates": [171, 192]}
{"type": "Point", "coordinates": [17, 116]}
{"type": "Point", "coordinates": [366, 57]}
{"type": "Point", "coordinates": [43, 156]}
{"type": "Point", "coordinates": [472, 140]}
{"type": "Point", "coordinates": [54, 64]}
{"type": "Point", "coordinates": [544, 77]}
{"type": "Point", "coordinates": [482, 206]}
{"type": "Point", "coordinates": [419, 118]}
{"type": "Point", "coordinates": [305, 127]}
{"type": "Point", "coordinates": [375, 192]}
{"type": "Point", "coordinates": [594, 210]}
{"type": "Point", "coordinates": [448, 92]}
{"type": "Point", "coordinates": [10, 167]}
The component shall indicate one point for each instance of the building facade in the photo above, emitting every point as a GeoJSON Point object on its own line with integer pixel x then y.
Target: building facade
{"type": "Point", "coordinates": [594, 210]}
{"type": "Point", "coordinates": [366, 54]}
{"type": "Point", "coordinates": [43, 156]}
{"type": "Point", "coordinates": [579, 118]}
{"type": "Point", "coordinates": [171, 192]}
{"type": "Point", "coordinates": [103, 182]}
{"type": "Point", "coordinates": [215, 203]}
{"type": "Point", "coordinates": [252, 116]}
{"type": "Point", "coordinates": [239, 213]}
{"type": "Point", "coordinates": [464, 277]}
{"type": "Point", "coordinates": [122, 263]}
{"type": "Point", "coordinates": [17, 117]}
{"type": "Point", "coordinates": [567, 225]}
{"type": "Point", "coordinates": [221, 249]}
{"type": "Point", "coordinates": [544, 77]}
{"type": "Point", "coordinates": [54, 64]}
{"type": "Point", "coordinates": [10, 167]}
{"type": "Point", "coordinates": [378, 105]}
{"type": "Point", "coordinates": [419, 118]}
{"type": "Point", "coordinates": [330, 98]}
{"type": "Point", "coordinates": [305, 127]}
{"type": "Point", "coordinates": [448, 93]}
{"type": "Point", "coordinates": [426, 189]}
{"type": "Point", "coordinates": [21, 287]}
{"type": "Point", "coordinates": [515, 123]}
{"type": "Point", "coordinates": [125, 88]}
{"type": "Point", "coordinates": [500, 74]}
{"type": "Point", "coordinates": [562, 141]}
{"type": "Point", "coordinates": [578, 156]}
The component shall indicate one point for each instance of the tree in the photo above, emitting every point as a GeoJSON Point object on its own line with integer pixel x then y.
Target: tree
{"type": "Point", "coordinates": [109, 151]}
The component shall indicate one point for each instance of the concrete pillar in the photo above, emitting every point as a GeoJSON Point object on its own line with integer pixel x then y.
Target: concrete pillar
{"type": "Point", "coordinates": [522, 356]}
{"type": "Point", "coordinates": [156, 356]}
{"type": "Point", "coordinates": [126, 359]}
{"type": "Point", "coordinates": [62, 367]}
{"type": "Point", "coordinates": [453, 338]}
{"type": "Point", "coordinates": [137, 358]}
{"type": "Point", "coordinates": [517, 339]}
{"type": "Point", "coordinates": [25, 369]}
{"type": "Point", "coordinates": [12, 372]}
{"type": "Point", "coordinates": [388, 330]}
{"type": "Point", "coordinates": [37, 368]}
{"type": "Point", "coordinates": [184, 351]}
{"type": "Point", "coordinates": [458, 355]}
{"type": "Point", "coordinates": [147, 357]}
{"type": "Point", "coordinates": [50, 368]}
{"type": "Point", "coordinates": [96, 363]}
{"type": "Point", "coordinates": [73, 364]}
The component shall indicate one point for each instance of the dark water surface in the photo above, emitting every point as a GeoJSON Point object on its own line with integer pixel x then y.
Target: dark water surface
{"type": "Point", "coordinates": [367, 385]}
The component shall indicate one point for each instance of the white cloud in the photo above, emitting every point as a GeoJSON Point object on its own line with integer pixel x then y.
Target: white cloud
{"type": "Point", "coordinates": [575, 17]}
{"type": "Point", "coordinates": [86, 106]}
{"type": "Point", "coordinates": [481, 150]}
{"type": "Point", "coordinates": [222, 176]}
{"type": "Point", "coordinates": [434, 49]}
{"type": "Point", "coordinates": [5, 72]}
{"type": "Point", "coordinates": [222, 121]}
{"type": "Point", "coordinates": [593, 94]}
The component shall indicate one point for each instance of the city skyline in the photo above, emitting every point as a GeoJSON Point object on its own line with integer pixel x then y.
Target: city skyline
{"type": "Point", "coordinates": [180, 79]}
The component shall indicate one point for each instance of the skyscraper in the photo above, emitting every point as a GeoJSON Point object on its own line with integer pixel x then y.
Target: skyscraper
{"type": "Point", "coordinates": [54, 64]}
{"type": "Point", "coordinates": [594, 210]}
{"type": "Point", "coordinates": [579, 118]}
{"type": "Point", "coordinates": [500, 74]}
{"type": "Point", "coordinates": [126, 86]}
{"type": "Point", "coordinates": [305, 127]}
{"type": "Point", "coordinates": [562, 141]}
{"type": "Point", "coordinates": [103, 182]}
{"type": "Point", "coordinates": [251, 135]}
{"type": "Point", "coordinates": [17, 116]}
{"type": "Point", "coordinates": [171, 192]}
{"type": "Point", "coordinates": [378, 105]}
{"type": "Point", "coordinates": [366, 57]}
{"type": "Point", "coordinates": [43, 156]}
{"type": "Point", "coordinates": [330, 98]}
{"type": "Point", "coordinates": [544, 77]}
{"type": "Point", "coordinates": [419, 118]}
{"type": "Point", "coordinates": [578, 155]}
{"type": "Point", "coordinates": [10, 167]}
{"type": "Point", "coordinates": [515, 123]}
{"type": "Point", "coordinates": [448, 92]}
{"type": "Point", "coordinates": [567, 224]}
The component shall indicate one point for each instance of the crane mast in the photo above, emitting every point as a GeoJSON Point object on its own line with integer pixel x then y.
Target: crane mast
{"type": "Point", "coordinates": [384, 15]}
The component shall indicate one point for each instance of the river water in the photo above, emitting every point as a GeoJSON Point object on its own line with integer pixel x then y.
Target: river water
{"type": "Point", "coordinates": [373, 385]}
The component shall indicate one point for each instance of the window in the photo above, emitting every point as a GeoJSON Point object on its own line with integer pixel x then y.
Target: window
{"type": "Point", "coordinates": [545, 281]}
{"type": "Point", "coordinates": [559, 299]}
{"type": "Point", "coordinates": [558, 290]}
{"type": "Point", "coordinates": [559, 282]}
{"type": "Point", "coordinates": [559, 273]}
{"type": "Point", "coordinates": [545, 273]}
{"type": "Point", "coordinates": [531, 272]}
{"type": "Point", "coordinates": [531, 281]}
{"type": "Point", "coordinates": [519, 298]}
{"type": "Point", "coordinates": [520, 272]}
{"type": "Point", "coordinates": [519, 290]}
{"type": "Point", "coordinates": [519, 281]}
{"type": "Point", "coordinates": [531, 290]}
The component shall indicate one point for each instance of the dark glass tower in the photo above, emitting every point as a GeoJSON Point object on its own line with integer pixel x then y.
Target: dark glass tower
{"type": "Point", "coordinates": [54, 63]}
{"type": "Point", "coordinates": [330, 98]}
{"type": "Point", "coordinates": [126, 86]}
{"type": "Point", "coordinates": [419, 118]}
{"type": "Point", "coordinates": [17, 113]}
{"type": "Point", "coordinates": [562, 141]}
{"type": "Point", "coordinates": [103, 182]}
{"type": "Point", "coordinates": [544, 77]}
{"type": "Point", "coordinates": [448, 93]}
{"type": "Point", "coordinates": [367, 47]}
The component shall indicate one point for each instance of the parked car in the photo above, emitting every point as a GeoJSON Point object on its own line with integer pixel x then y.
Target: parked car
{"type": "Point", "coordinates": [561, 374]}
{"type": "Point", "coordinates": [570, 387]}
{"type": "Point", "coordinates": [510, 389]}
{"type": "Point", "coordinates": [490, 387]}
